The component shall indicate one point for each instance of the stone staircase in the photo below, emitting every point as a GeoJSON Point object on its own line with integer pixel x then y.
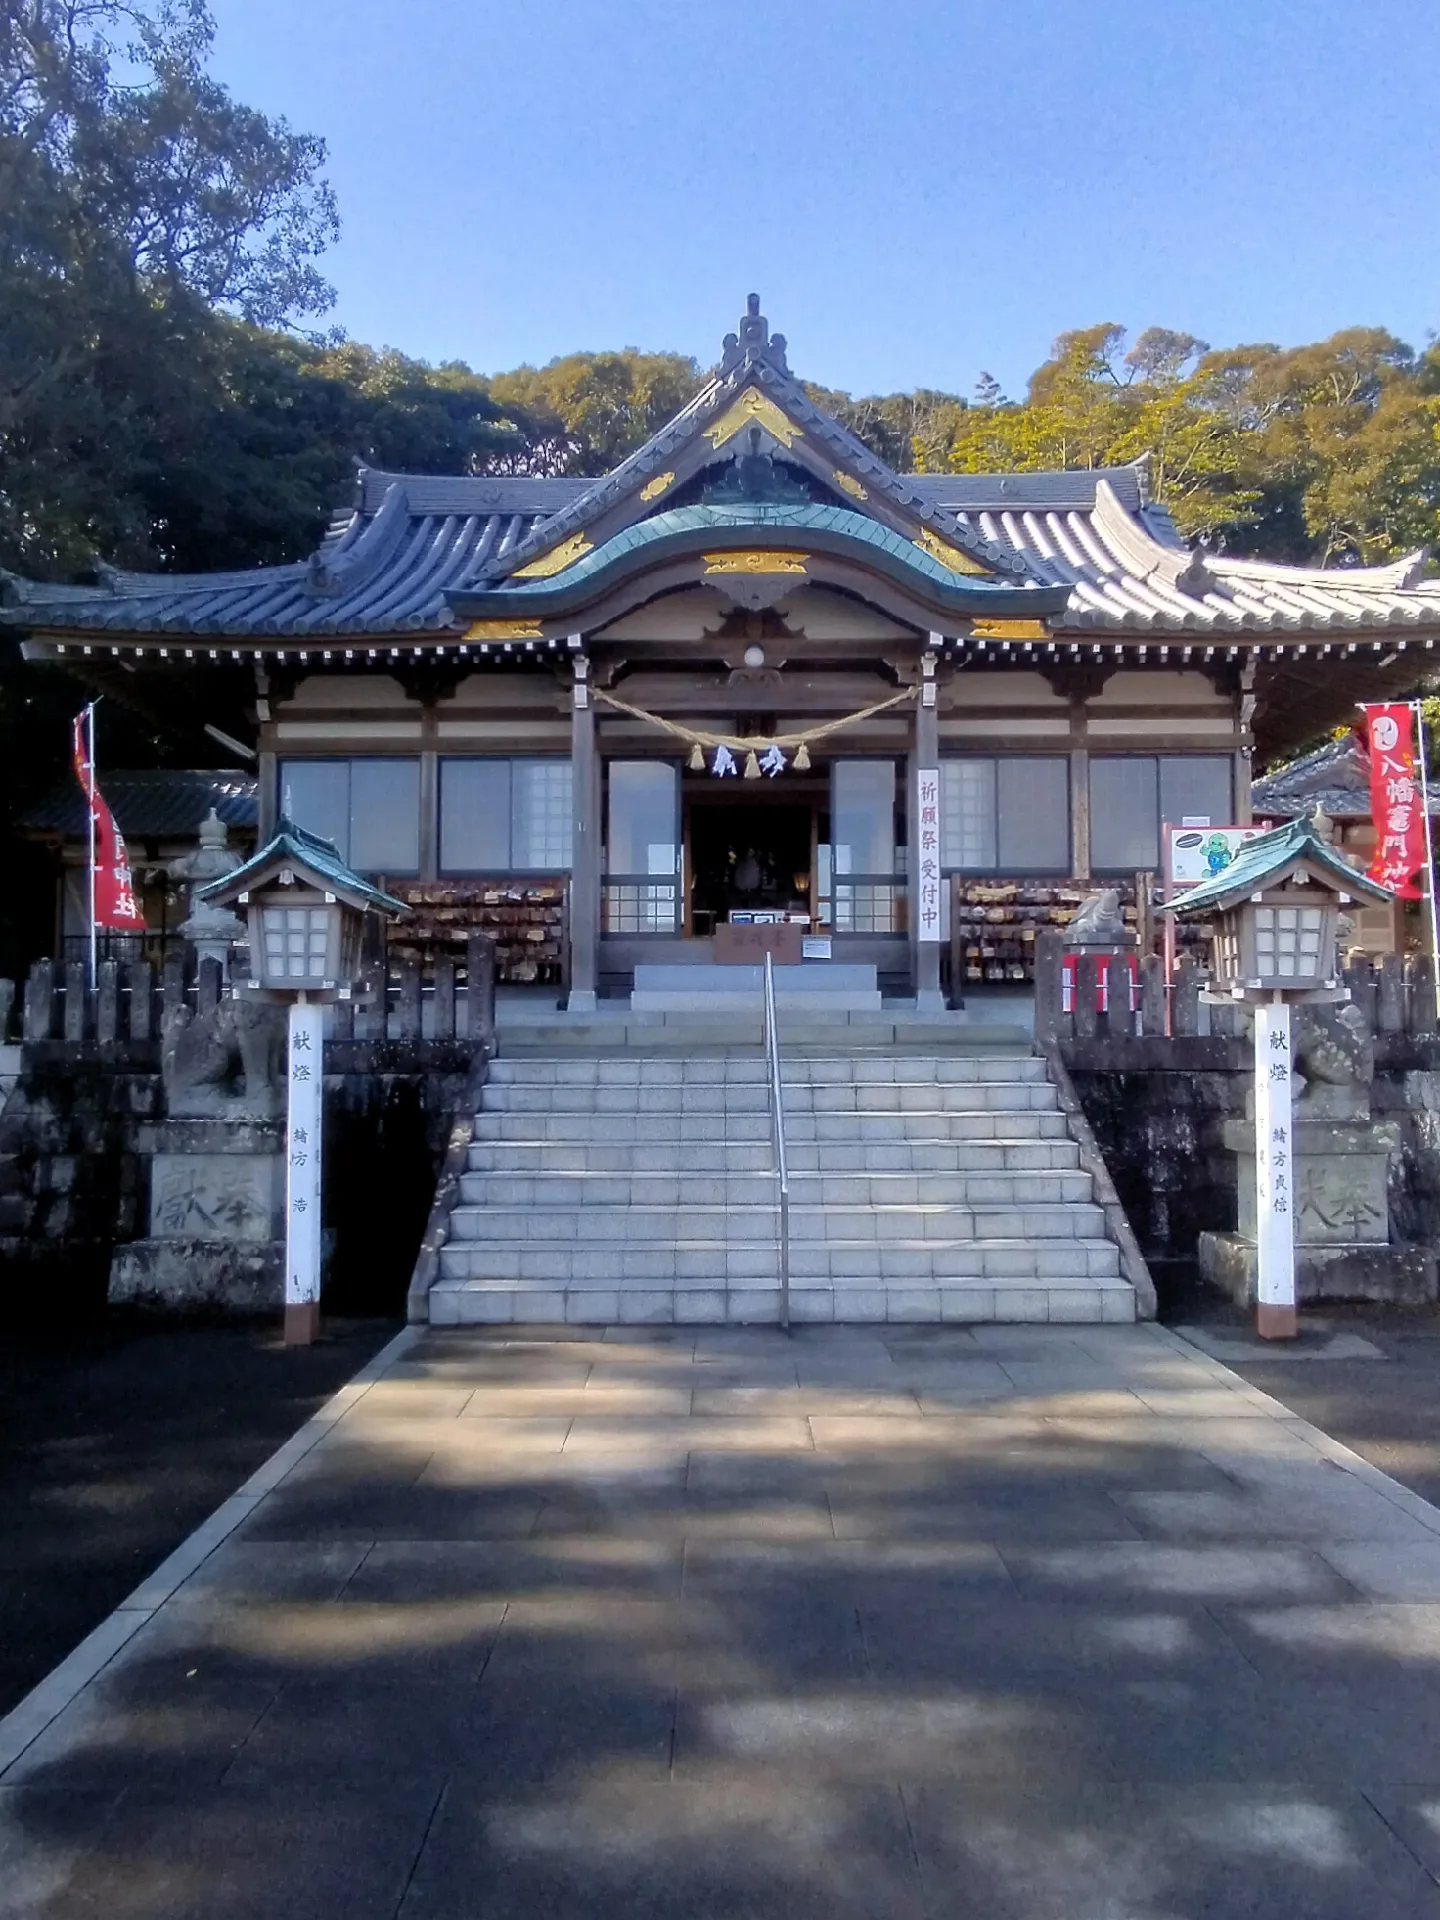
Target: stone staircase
{"type": "Point", "coordinates": [636, 1187]}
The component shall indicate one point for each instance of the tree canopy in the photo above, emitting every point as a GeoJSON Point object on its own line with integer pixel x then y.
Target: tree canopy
{"type": "Point", "coordinates": [1327, 453]}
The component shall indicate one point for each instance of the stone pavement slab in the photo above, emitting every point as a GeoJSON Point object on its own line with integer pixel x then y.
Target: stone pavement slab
{"type": "Point", "coordinates": [1040, 1624]}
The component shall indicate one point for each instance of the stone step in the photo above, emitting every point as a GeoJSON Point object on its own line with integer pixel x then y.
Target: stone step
{"type": "Point", "coordinates": [1076, 1301]}
{"type": "Point", "coordinates": [800, 1128]}
{"type": "Point", "coordinates": [607, 1188]}
{"type": "Point", "coordinates": [919, 1096]}
{"type": "Point", "coordinates": [644, 1225]}
{"type": "Point", "coordinates": [668, 1034]}
{"type": "Point", "coordinates": [696, 1262]}
{"type": "Point", "coordinates": [706, 1005]}
{"type": "Point", "coordinates": [748, 1069]}
{"type": "Point", "coordinates": [628, 1176]}
{"type": "Point", "coordinates": [712, 976]}
{"type": "Point", "coordinates": [707, 1158]}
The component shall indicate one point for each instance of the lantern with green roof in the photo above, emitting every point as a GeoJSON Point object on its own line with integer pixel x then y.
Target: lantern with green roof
{"type": "Point", "coordinates": [1276, 915]}
{"type": "Point", "coordinates": [306, 912]}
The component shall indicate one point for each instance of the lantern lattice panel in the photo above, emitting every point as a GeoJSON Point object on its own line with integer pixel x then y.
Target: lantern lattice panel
{"type": "Point", "coordinates": [1288, 942]}
{"type": "Point", "coordinates": [297, 943]}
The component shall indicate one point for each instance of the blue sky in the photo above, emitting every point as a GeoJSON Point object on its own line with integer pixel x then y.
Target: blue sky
{"type": "Point", "coordinates": [917, 191]}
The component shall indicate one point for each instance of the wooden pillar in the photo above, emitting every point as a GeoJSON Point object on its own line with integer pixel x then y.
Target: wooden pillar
{"type": "Point", "coordinates": [266, 799]}
{"type": "Point", "coordinates": [266, 765]}
{"type": "Point", "coordinates": [585, 854]}
{"type": "Point", "coordinates": [925, 954]}
{"type": "Point", "coordinates": [1079, 791]}
{"type": "Point", "coordinates": [429, 814]}
{"type": "Point", "coordinates": [1241, 813]}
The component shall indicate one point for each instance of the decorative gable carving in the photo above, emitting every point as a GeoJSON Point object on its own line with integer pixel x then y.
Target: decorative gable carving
{"type": "Point", "coordinates": [753, 408]}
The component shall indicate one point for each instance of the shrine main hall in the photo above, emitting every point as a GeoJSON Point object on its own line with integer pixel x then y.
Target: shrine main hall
{"type": "Point", "coordinates": [753, 675]}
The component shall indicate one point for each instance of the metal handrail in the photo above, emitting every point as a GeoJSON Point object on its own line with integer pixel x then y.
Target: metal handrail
{"type": "Point", "coordinates": [777, 1135]}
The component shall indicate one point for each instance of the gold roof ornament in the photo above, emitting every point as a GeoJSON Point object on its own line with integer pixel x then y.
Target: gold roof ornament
{"type": "Point", "coordinates": [755, 560]}
{"type": "Point", "coordinates": [556, 560]}
{"type": "Point", "coordinates": [949, 556]}
{"type": "Point", "coordinates": [753, 408]}
{"type": "Point", "coordinates": [503, 630]}
{"type": "Point", "coordinates": [849, 484]}
{"type": "Point", "coordinates": [653, 489]}
{"type": "Point", "coordinates": [1009, 630]}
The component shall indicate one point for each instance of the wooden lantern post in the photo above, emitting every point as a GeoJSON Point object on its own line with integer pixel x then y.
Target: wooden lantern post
{"type": "Point", "coordinates": [306, 910]}
{"type": "Point", "coordinates": [1275, 922]}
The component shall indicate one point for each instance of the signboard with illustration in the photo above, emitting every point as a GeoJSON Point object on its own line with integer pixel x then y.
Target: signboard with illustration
{"type": "Point", "coordinates": [1196, 853]}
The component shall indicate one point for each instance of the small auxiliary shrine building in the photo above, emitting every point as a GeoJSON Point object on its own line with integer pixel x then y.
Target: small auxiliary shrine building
{"type": "Point", "coordinates": [754, 672]}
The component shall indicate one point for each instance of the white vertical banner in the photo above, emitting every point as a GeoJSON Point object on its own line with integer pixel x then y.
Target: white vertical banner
{"type": "Point", "coordinates": [929, 920]}
{"type": "Point", "coordinates": [1274, 1173]}
{"type": "Point", "coordinates": [304, 1079]}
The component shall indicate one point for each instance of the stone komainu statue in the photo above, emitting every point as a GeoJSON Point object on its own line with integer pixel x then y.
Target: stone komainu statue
{"type": "Point", "coordinates": [234, 1052]}
{"type": "Point", "coordinates": [1099, 922]}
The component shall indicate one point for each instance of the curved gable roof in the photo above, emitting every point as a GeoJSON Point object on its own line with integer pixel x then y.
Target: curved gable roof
{"type": "Point", "coordinates": [686, 532]}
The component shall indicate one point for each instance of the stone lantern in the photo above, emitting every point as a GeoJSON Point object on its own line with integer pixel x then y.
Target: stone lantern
{"type": "Point", "coordinates": [211, 930]}
{"type": "Point", "coordinates": [306, 910]}
{"type": "Point", "coordinates": [1275, 919]}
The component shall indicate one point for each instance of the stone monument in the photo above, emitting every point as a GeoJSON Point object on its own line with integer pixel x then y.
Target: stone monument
{"type": "Point", "coordinates": [216, 1166]}
{"type": "Point", "coordinates": [1341, 1159]}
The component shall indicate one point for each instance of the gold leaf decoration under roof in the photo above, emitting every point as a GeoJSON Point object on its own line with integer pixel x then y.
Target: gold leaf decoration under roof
{"type": "Point", "coordinates": [753, 409]}
{"type": "Point", "coordinates": [652, 489]}
{"type": "Point", "coordinates": [953, 557]}
{"type": "Point", "coordinates": [753, 560]}
{"type": "Point", "coordinates": [503, 630]}
{"type": "Point", "coordinates": [851, 485]}
{"type": "Point", "coordinates": [556, 560]}
{"type": "Point", "coordinates": [1009, 630]}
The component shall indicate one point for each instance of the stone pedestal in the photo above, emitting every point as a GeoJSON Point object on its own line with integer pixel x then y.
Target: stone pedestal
{"type": "Point", "coordinates": [216, 1219]}
{"type": "Point", "coordinates": [1404, 1276]}
{"type": "Point", "coordinates": [1341, 1159]}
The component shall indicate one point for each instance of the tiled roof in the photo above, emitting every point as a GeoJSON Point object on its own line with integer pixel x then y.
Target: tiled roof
{"type": "Point", "coordinates": [1335, 778]}
{"type": "Point", "coordinates": [1128, 568]}
{"type": "Point", "coordinates": [152, 803]}
{"type": "Point", "coordinates": [382, 572]}
{"type": "Point", "coordinates": [386, 566]}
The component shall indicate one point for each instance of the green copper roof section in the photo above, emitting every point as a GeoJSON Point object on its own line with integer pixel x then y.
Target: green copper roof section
{"type": "Point", "coordinates": [322, 857]}
{"type": "Point", "coordinates": [1264, 862]}
{"type": "Point", "coordinates": [815, 526]}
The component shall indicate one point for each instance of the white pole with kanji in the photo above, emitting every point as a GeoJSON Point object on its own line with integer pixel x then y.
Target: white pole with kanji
{"type": "Point", "coordinates": [304, 1082]}
{"type": "Point", "coordinates": [1429, 851]}
{"type": "Point", "coordinates": [1275, 1315]}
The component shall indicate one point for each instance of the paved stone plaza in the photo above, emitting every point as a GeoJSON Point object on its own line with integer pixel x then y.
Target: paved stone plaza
{"type": "Point", "coordinates": [1057, 1624]}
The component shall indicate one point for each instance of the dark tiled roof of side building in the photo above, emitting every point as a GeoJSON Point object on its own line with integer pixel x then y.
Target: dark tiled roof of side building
{"type": "Point", "coordinates": [1334, 778]}
{"type": "Point", "coordinates": [154, 803]}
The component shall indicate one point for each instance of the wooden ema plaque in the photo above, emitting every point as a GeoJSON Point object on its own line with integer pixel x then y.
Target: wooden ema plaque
{"type": "Point", "coordinates": [747, 946]}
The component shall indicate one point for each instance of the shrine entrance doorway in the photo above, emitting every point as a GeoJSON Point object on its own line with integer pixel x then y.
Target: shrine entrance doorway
{"type": "Point", "coordinates": [749, 856]}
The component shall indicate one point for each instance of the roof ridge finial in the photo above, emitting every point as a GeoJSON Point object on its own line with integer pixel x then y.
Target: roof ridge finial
{"type": "Point", "coordinates": [754, 344]}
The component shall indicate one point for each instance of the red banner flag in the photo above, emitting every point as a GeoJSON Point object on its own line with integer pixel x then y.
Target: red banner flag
{"type": "Point", "coordinates": [116, 908]}
{"type": "Point", "coordinates": [1395, 802]}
